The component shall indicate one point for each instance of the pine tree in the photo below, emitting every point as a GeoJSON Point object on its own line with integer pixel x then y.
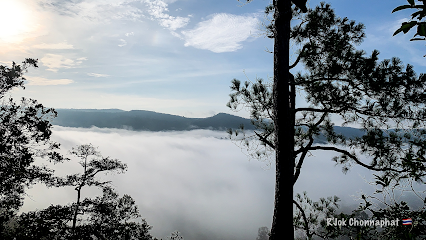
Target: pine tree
{"type": "Point", "coordinates": [386, 99]}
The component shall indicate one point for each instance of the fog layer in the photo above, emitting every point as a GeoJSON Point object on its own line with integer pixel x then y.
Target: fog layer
{"type": "Point", "coordinates": [195, 181]}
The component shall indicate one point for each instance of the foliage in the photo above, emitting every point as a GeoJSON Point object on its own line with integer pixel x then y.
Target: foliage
{"type": "Point", "coordinates": [176, 235]}
{"type": "Point", "coordinates": [104, 217]}
{"type": "Point", "coordinates": [387, 203]}
{"type": "Point", "coordinates": [420, 14]}
{"type": "Point", "coordinates": [112, 217]}
{"type": "Point", "coordinates": [263, 233]}
{"type": "Point", "coordinates": [385, 98]}
{"type": "Point", "coordinates": [316, 216]}
{"type": "Point", "coordinates": [92, 163]}
{"type": "Point", "coordinates": [25, 133]}
{"type": "Point", "coordinates": [384, 204]}
{"type": "Point", "coordinates": [49, 223]}
{"type": "Point", "coordinates": [341, 81]}
{"type": "Point", "coordinates": [107, 217]}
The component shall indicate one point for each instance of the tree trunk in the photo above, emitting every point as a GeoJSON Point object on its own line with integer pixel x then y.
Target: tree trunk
{"type": "Point", "coordinates": [74, 219]}
{"type": "Point", "coordinates": [282, 224]}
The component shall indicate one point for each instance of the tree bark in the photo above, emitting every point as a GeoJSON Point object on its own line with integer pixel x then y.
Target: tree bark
{"type": "Point", "coordinates": [282, 224]}
{"type": "Point", "coordinates": [74, 219]}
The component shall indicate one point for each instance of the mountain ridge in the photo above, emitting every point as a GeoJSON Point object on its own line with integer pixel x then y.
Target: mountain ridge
{"type": "Point", "coordinates": [142, 120]}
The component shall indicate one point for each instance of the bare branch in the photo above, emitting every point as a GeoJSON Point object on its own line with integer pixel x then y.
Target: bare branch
{"type": "Point", "coordinates": [298, 58]}
{"type": "Point", "coordinates": [304, 219]}
{"type": "Point", "coordinates": [265, 140]}
{"type": "Point", "coordinates": [353, 157]}
{"type": "Point", "coordinates": [321, 110]}
{"type": "Point", "coordinates": [304, 150]}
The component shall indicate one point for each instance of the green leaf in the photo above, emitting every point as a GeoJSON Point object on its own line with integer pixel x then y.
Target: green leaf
{"type": "Point", "coordinates": [421, 29]}
{"type": "Point", "coordinates": [402, 7]}
{"type": "Point", "coordinates": [420, 14]}
{"type": "Point", "coordinates": [416, 39]}
{"type": "Point", "coordinates": [405, 27]}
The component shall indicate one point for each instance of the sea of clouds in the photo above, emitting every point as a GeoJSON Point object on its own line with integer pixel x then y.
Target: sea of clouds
{"type": "Point", "coordinates": [197, 182]}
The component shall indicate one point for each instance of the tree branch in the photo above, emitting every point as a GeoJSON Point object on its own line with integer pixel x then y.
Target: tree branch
{"type": "Point", "coordinates": [265, 140]}
{"type": "Point", "coordinates": [304, 219]}
{"type": "Point", "coordinates": [305, 149]}
{"type": "Point", "coordinates": [298, 58]}
{"type": "Point", "coordinates": [353, 158]}
{"type": "Point", "coordinates": [321, 110]}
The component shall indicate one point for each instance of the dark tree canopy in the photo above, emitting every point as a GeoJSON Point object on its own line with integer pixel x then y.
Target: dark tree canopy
{"type": "Point", "coordinates": [92, 163]}
{"type": "Point", "coordinates": [106, 217]}
{"type": "Point", "coordinates": [25, 133]}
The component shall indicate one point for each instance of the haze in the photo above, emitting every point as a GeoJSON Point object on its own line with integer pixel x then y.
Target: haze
{"type": "Point", "coordinates": [195, 182]}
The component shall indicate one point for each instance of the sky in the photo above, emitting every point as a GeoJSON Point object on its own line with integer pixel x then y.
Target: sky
{"type": "Point", "coordinates": [169, 56]}
{"type": "Point", "coordinates": [196, 182]}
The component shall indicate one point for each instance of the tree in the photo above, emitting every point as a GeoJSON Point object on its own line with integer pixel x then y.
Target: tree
{"type": "Point", "coordinates": [92, 163]}
{"type": "Point", "coordinates": [113, 218]}
{"type": "Point", "coordinates": [263, 233]}
{"type": "Point", "coordinates": [406, 26]}
{"type": "Point", "coordinates": [25, 133]}
{"type": "Point", "coordinates": [46, 224]}
{"type": "Point", "coordinates": [385, 98]}
{"type": "Point", "coordinates": [105, 217]}
{"type": "Point", "coordinates": [387, 195]}
{"type": "Point", "coordinates": [383, 204]}
{"type": "Point", "coordinates": [176, 235]}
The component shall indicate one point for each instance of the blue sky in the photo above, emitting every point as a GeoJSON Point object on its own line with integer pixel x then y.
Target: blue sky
{"type": "Point", "coordinates": [170, 56]}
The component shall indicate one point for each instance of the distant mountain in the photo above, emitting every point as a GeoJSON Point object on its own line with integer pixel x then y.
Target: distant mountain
{"type": "Point", "coordinates": [140, 120]}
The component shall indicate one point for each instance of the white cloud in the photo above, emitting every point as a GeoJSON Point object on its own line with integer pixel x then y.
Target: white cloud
{"type": "Point", "coordinates": [129, 34]}
{"type": "Point", "coordinates": [222, 33]}
{"type": "Point", "coordinates": [176, 34]}
{"type": "Point", "coordinates": [157, 9]}
{"type": "Point", "coordinates": [96, 10]}
{"type": "Point", "coordinates": [62, 45]}
{"type": "Point", "coordinates": [56, 61]}
{"type": "Point", "coordinates": [97, 75]}
{"type": "Point", "coordinates": [45, 81]}
{"type": "Point", "coordinates": [195, 182]}
{"type": "Point", "coordinates": [122, 43]}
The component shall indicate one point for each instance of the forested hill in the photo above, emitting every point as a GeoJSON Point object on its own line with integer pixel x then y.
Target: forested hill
{"type": "Point", "coordinates": [140, 120]}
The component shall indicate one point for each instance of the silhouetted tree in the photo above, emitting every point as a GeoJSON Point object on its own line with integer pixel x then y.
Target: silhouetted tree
{"type": "Point", "coordinates": [340, 81]}
{"type": "Point", "coordinates": [92, 163]}
{"type": "Point", "coordinates": [263, 233]}
{"type": "Point", "coordinates": [112, 217]}
{"type": "Point", "coordinates": [47, 224]}
{"type": "Point", "coordinates": [25, 133]}
{"type": "Point", "coordinates": [282, 222]}
{"type": "Point", "coordinates": [106, 217]}
{"type": "Point", "coordinates": [176, 235]}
